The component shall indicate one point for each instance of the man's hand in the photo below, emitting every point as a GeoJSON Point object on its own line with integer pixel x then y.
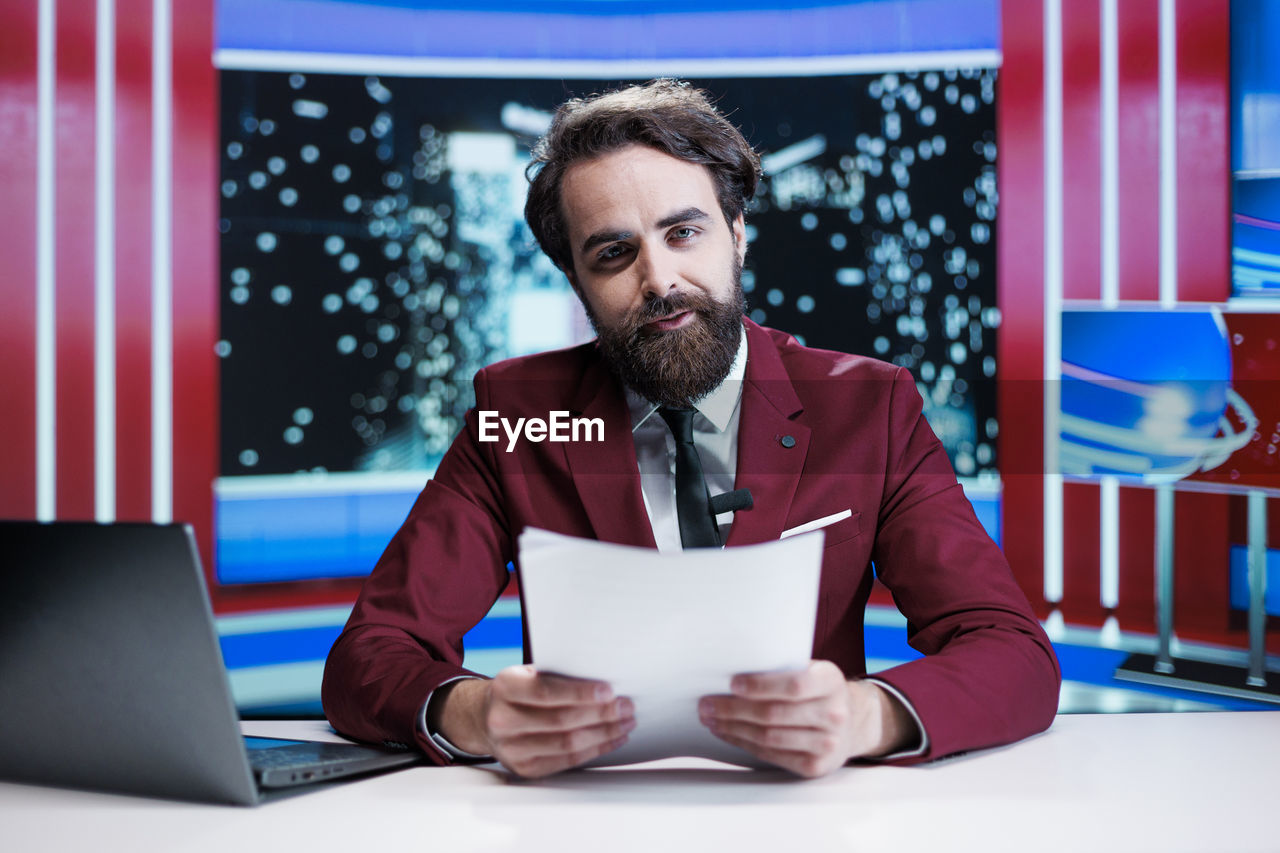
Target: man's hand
{"type": "Point", "coordinates": [809, 722]}
{"type": "Point", "coordinates": [535, 724]}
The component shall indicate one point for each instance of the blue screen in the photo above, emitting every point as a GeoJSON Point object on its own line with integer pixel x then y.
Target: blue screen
{"type": "Point", "coordinates": [268, 742]}
{"type": "Point", "coordinates": [1255, 148]}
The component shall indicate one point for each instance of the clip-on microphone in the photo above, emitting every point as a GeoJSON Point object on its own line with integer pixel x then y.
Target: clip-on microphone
{"type": "Point", "coordinates": [738, 499]}
{"type": "Point", "coordinates": [732, 501]}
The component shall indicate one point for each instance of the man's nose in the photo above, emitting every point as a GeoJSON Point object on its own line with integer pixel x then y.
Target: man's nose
{"type": "Point", "coordinates": [657, 271]}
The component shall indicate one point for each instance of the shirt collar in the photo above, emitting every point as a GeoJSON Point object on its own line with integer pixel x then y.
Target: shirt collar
{"type": "Point", "coordinates": [717, 406]}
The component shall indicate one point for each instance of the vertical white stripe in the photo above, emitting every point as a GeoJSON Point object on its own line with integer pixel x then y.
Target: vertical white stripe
{"type": "Point", "coordinates": [161, 263]}
{"type": "Point", "coordinates": [104, 268]}
{"type": "Point", "coordinates": [1168, 154]}
{"type": "Point", "coordinates": [1110, 154]}
{"type": "Point", "coordinates": [1053, 253]}
{"type": "Point", "coordinates": [1109, 487]}
{"type": "Point", "coordinates": [46, 328]}
{"type": "Point", "coordinates": [1109, 542]}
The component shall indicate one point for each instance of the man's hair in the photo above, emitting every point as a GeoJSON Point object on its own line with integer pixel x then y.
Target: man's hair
{"type": "Point", "coordinates": [667, 115]}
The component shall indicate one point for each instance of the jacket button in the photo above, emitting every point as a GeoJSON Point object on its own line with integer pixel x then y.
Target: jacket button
{"type": "Point", "coordinates": [787, 441]}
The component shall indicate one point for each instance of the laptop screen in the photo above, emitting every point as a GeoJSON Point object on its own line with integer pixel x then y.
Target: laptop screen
{"type": "Point", "coordinates": [268, 742]}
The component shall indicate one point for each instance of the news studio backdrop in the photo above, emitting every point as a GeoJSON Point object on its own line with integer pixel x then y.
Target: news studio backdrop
{"type": "Point", "coordinates": [374, 253]}
{"type": "Point", "coordinates": [1179, 395]}
{"type": "Point", "coordinates": [346, 248]}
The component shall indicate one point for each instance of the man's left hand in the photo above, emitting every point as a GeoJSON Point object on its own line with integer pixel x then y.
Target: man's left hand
{"type": "Point", "coordinates": [810, 721]}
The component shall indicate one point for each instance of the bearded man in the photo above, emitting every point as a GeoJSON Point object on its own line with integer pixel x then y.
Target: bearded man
{"type": "Point", "coordinates": [638, 195]}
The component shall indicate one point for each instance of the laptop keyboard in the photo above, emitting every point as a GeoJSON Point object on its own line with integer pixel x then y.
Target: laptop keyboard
{"type": "Point", "coordinates": [298, 756]}
{"type": "Point", "coordinates": [297, 763]}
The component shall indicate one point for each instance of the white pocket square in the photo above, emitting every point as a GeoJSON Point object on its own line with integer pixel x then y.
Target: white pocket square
{"type": "Point", "coordinates": [817, 523]}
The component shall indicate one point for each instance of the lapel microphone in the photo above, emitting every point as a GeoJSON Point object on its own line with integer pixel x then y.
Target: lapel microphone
{"type": "Point", "coordinates": [733, 501]}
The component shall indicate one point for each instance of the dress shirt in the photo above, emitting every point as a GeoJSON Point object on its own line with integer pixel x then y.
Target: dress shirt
{"type": "Point", "coordinates": [715, 434]}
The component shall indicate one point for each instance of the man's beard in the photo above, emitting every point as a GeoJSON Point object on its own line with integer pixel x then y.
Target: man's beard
{"type": "Point", "coordinates": [675, 368]}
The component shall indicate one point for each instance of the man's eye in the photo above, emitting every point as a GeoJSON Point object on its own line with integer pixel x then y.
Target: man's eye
{"type": "Point", "coordinates": [684, 232]}
{"type": "Point", "coordinates": [611, 252]}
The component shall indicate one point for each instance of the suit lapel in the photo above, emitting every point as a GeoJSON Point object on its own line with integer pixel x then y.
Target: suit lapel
{"type": "Point", "coordinates": [772, 445]}
{"type": "Point", "coordinates": [605, 472]}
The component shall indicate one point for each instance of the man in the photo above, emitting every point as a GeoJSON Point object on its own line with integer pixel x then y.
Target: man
{"type": "Point", "coordinates": [638, 196]}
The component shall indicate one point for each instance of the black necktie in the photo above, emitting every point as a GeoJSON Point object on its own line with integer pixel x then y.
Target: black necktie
{"type": "Point", "coordinates": [693, 503]}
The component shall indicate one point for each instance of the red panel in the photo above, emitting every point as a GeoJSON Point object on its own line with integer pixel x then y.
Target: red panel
{"type": "Point", "coordinates": [1201, 569]}
{"type": "Point", "coordinates": [1204, 161]}
{"type": "Point", "coordinates": [1082, 243]}
{"type": "Point", "coordinates": [1137, 560]}
{"type": "Point", "coordinates": [74, 237]}
{"type": "Point", "coordinates": [1139, 31]}
{"type": "Point", "coordinates": [1081, 587]}
{"type": "Point", "coordinates": [1020, 133]}
{"type": "Point", "coordinates": [1202, 552]}
{"type": "Point", "coordinates": [273, 596]}
{"type": "Point", "coordinates": [17, 247]}
{"type": "Point", "coordinates": [195, 271]}
{"type": "Point", "coordinates": [133, 260]}
{"type": "Point", "coordinates": [1239, 521]}
{"type": "Point", "coordinates": [1082, 153]}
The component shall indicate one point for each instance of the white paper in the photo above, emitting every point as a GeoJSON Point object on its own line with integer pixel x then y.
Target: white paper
{"type": "Point", "coordinates": [667, 629]}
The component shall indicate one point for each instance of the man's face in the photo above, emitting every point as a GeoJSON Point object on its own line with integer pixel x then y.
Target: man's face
{"type": "Point", "coordinates": [658, 270]}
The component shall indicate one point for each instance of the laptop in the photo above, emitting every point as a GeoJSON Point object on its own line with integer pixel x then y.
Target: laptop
{"type": "Point", "coordinates": [111, 676]}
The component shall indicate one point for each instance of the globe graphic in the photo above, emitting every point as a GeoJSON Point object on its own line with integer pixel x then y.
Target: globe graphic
{"type": "Point", "coordinates": [1145, 394]}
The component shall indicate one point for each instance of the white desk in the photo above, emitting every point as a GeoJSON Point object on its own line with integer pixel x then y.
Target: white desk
{"type": "Point", "coordinates": [1159, 782]}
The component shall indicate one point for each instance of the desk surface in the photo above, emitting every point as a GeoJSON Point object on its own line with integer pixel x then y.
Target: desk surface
{"type": "Point", "coordinates": [1160, 782]}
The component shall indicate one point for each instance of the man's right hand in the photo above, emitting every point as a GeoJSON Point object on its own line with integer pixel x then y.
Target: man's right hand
{"type": "Point", "coordinates": [535, 724]}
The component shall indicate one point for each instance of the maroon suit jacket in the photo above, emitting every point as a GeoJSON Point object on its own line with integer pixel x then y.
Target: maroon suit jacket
{"type": "Point", "coordinates": [989, 675]}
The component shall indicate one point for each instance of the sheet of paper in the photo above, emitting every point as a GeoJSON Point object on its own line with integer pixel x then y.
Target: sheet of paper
{"type": "Point", "coordinates": [666, 630]}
